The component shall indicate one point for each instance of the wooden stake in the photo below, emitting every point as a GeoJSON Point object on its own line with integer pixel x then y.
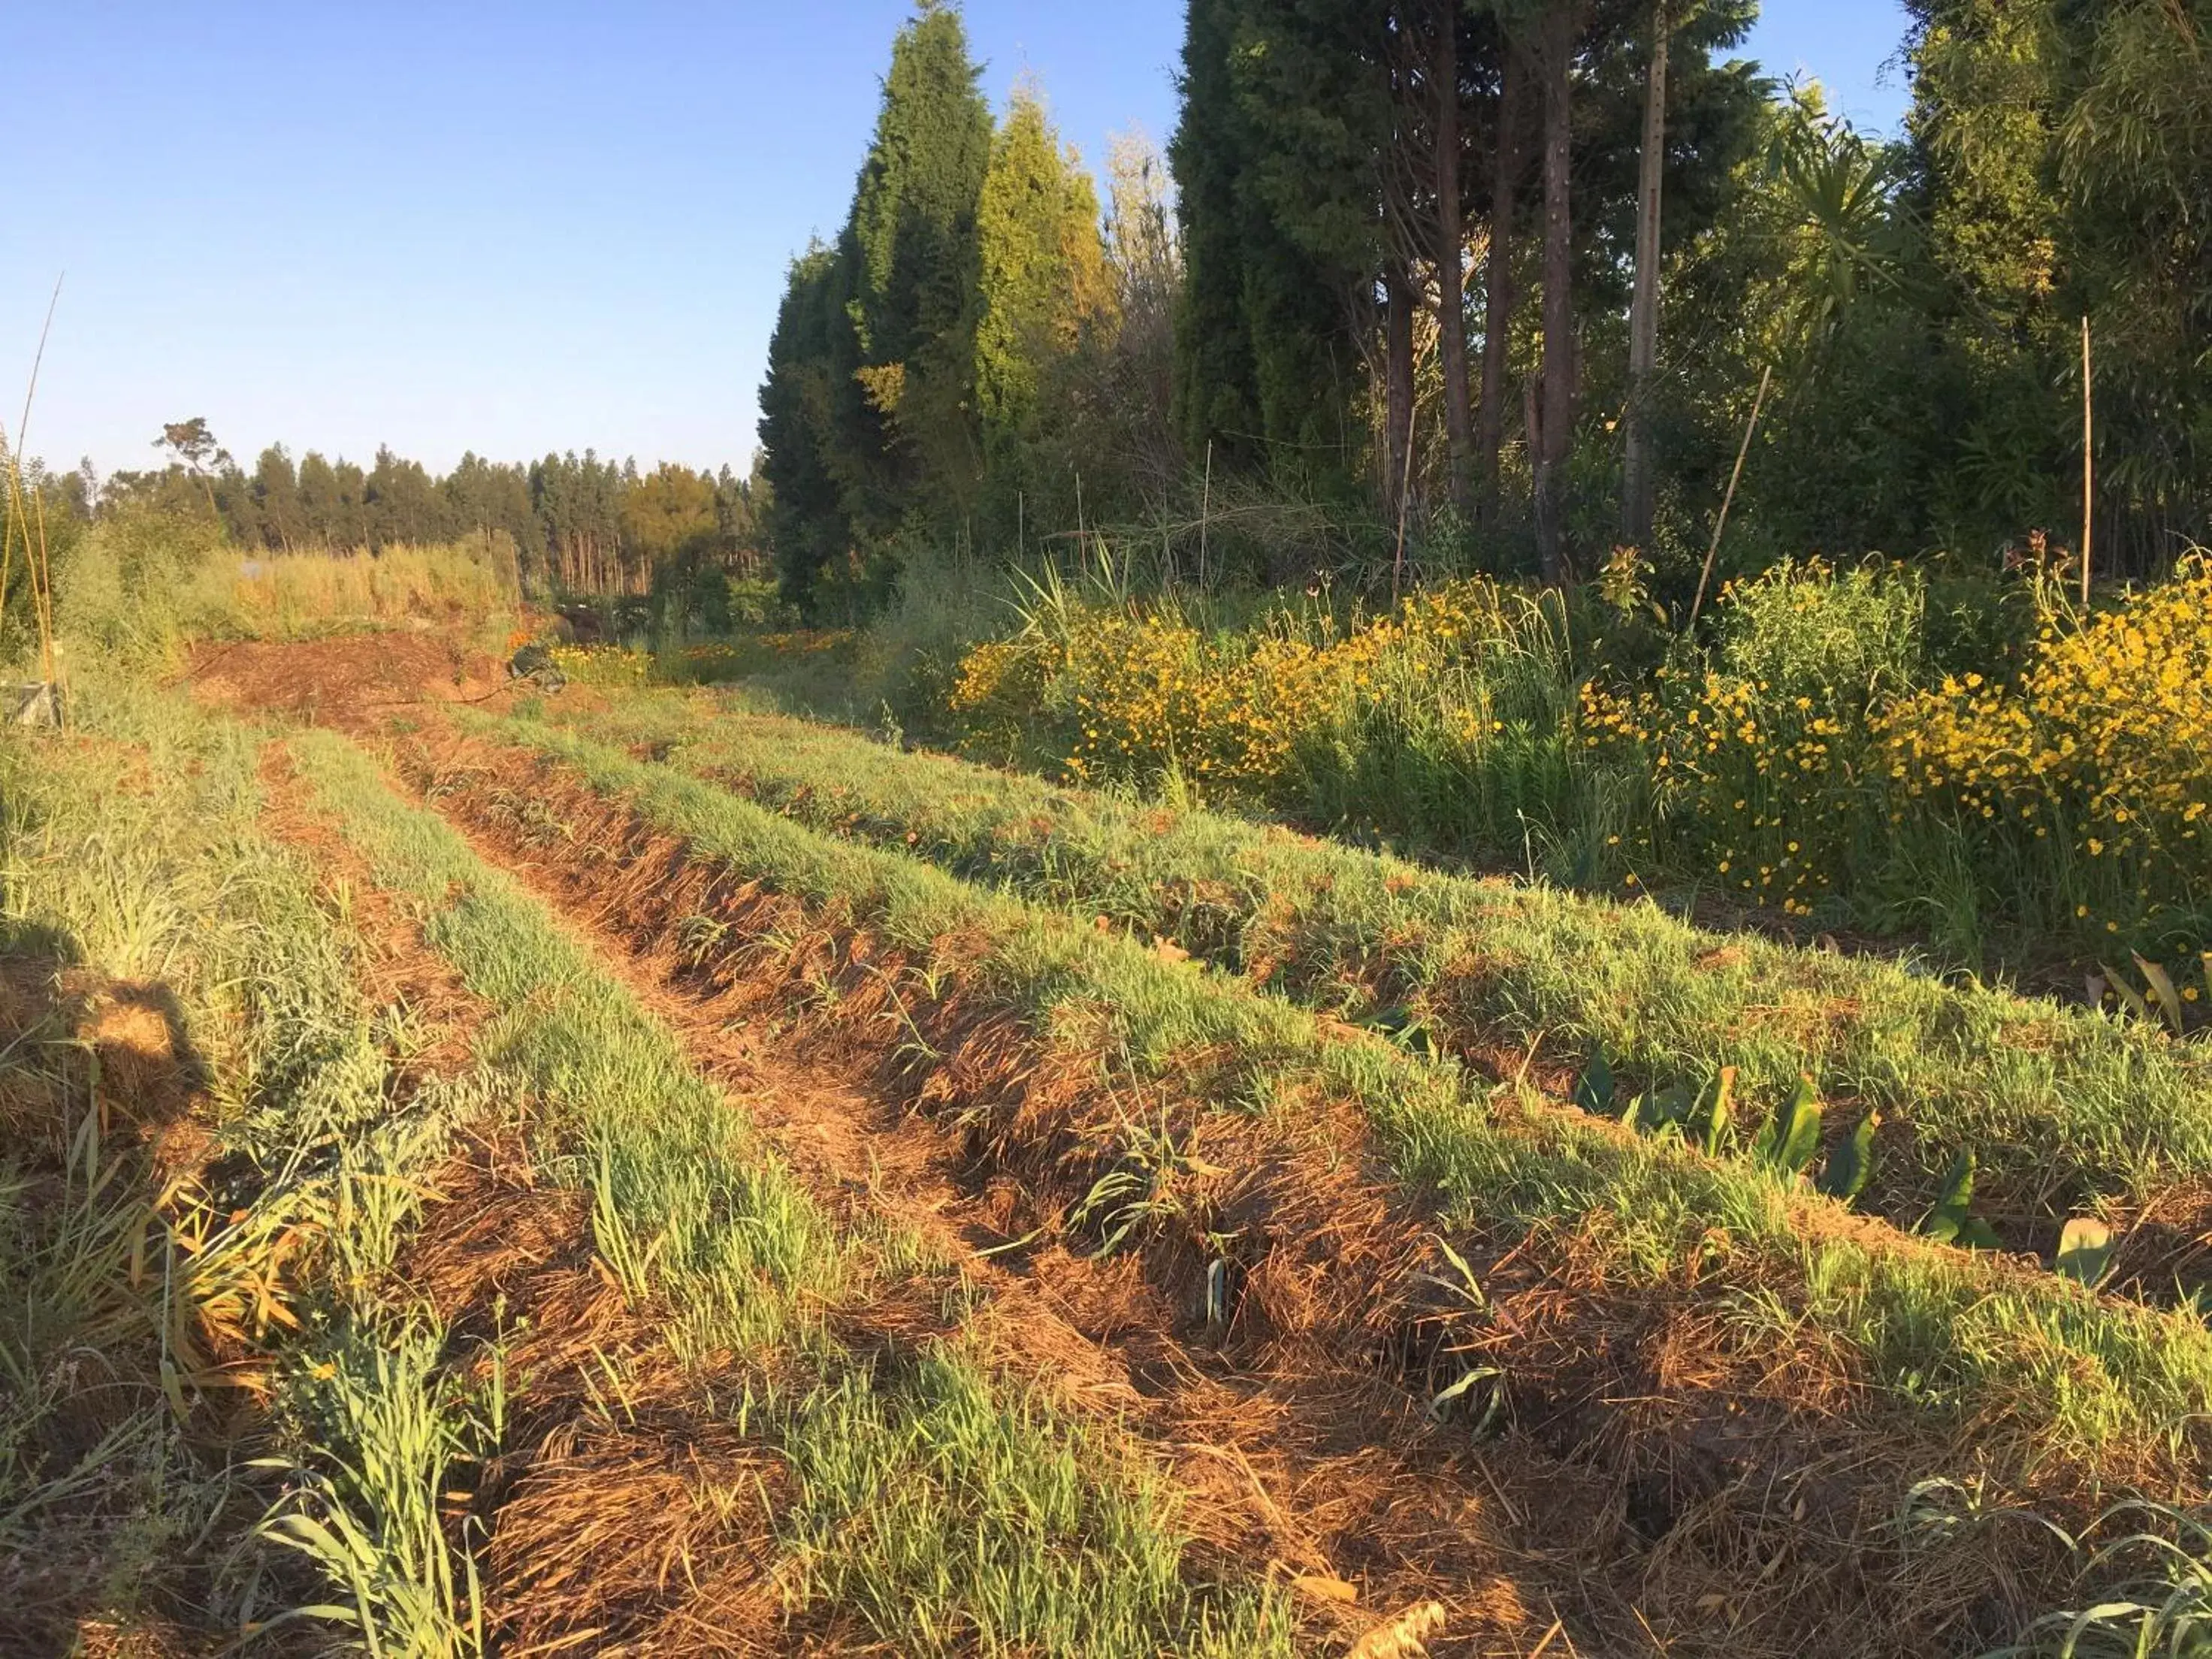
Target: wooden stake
{"type": "Point", "coordinates": [1205, 512]}
{"type": "Point", "coordinates": [31, 391]}
{"type": "Point", "coordinates": [2089, 464]}
{"type": "Point", "coordinates": [1729, 500]}
{"type": "Point", "coordinates": [1405, 493]}
{"type": "Point", "coordinates": [35, 560]}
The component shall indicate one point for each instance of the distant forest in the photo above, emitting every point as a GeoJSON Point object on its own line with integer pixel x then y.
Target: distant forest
{"type": "Point", "coordinates": [582, 525]}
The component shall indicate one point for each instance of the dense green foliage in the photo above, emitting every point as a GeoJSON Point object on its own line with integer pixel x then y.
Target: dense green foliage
{"type": "Point", "coordinates": [1044, 290]}
{"type": "Point", "coordinates": [1915, 307]}
{"type": "Point", "coordinates": [971, 348]}
{"type": "Point", "coordinates": [2062, 161]}
{"type": "Point", "coordinates": [869, 415]}
{"type": "Point", "coordinates": [910, 261]}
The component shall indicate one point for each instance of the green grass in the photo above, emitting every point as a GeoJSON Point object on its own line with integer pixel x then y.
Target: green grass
{"type": "Point", "coordinates": [2046, 1373]}
{"type": "Point", "coordinates": [948, 1509]}
{"type": "Point", "coordinates": [917, 1495]}
{"type": "Point", "coordinates": [937, 1504]}
{"type": "Point", "coordinates": [394, 1428]}
{"type": "Point", "coordinates": [2060, 1106]}
{"type": "Point", "coordinates": [135, 868]}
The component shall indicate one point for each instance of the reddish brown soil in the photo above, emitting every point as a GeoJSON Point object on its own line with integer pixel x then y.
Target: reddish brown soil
{"type": "Point", "coordinates": [592, 1529]}
{"type": "Point", "coordinates": [1331, 1478]}
{"type": "Point", "coordinates": [600, 1534]}
{"type": "Point", "coordinates": [350, 680]}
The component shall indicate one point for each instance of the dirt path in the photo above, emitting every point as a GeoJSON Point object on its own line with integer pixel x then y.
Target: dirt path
{"type": "Point", "coordinates": [353, 681]}
{"type": "Point", "coordinates": [597, 1533]}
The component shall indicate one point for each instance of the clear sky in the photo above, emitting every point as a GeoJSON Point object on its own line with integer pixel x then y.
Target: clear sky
{"type": "Point", "coordinates": [453, 224]}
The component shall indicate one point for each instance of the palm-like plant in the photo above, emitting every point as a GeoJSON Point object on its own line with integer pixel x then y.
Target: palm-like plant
{"type": "Point", "coordinates": [1842, 189]}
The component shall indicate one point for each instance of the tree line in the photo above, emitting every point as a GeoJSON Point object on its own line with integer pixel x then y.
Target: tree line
{"type": "Point", "coordinates": [982, 356]}
{"type": "Point", "coordinates": [1528, 275]}
{"type": "Point", "coordinates": [580, 525]}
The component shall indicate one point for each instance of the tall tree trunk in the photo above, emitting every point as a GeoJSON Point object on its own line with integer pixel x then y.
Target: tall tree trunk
{"type": "Point", "coordinates": [1638, 490]}
{"type": "Point", "coordinates": [1451, 252]}
{"type": "Point", "coordinates": [1508, 159]}
{"type": "Point", "coordinates": [1399, 300]}
{"type": "Point", "coordinates": [1558, 389]}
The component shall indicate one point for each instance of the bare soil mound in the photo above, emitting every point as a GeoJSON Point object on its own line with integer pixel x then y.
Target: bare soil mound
{"type": "Point", "coordinates": [347, 680]}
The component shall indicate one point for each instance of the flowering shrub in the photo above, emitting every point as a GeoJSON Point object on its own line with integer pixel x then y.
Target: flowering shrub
{"type": "Point", "coordinates": [1805, 759]}
{"type": "Point", "coordinates": [2100, 758]}
{"type": "Point", "coordinates": [1762, 768]}
{"type": "Point", "coordinates": [999, 688]}
{"type": "Point", "coordinates": [1753, 786]}
{"type": "Point", "coordinates": [617, 665]}
{"type": "Point", "coordinates": [1125, 698]}
{"type": "Point", "coordinates": [602, 664]}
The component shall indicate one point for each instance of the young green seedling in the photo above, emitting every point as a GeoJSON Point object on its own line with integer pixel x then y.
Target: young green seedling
{"type": "Point", "coordinates": [1949, 1221]}
{"type": "Point", "coordinates": [1596, 1088]}
{"type": "Point", "coordinates": [1850, 1165]}
{"type": "Point", "coordinates": [1791, 1138]}
{"type": "Point", "coordinates": [2085, 1250]}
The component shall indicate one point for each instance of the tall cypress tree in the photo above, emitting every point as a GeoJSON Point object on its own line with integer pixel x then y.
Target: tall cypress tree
{"type": "Point", "coordinates": [1556, 39]}
{"type": "Point", "coordinates": [1043, 275]}
{"type": "Point", "coordinates": [869, 416]}
{"type": "Point", "coordinates": [1045, 290]}
{"type": "Point", "coordinates": [1314, 95]}
{"type": "Point", "coordinates": [1215, 387]}
{"type": "Point", "coordinates": [807, 523]}
{"type": "Point", "coordinates": [912, 251]}
{"type": "Point", "coordinates": [1274, 165]}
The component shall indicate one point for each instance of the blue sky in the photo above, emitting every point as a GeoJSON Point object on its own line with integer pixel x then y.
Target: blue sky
{"type": "Point", "coordinates": [506, 227]}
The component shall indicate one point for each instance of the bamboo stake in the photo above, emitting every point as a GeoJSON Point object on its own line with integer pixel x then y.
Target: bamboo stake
{"type": "Point", "coordinates": [2089, 464]}
{"type": "Point", "coordinates": [1204, 514]}
{"type": "Point", "coordinates": [48, 670]}
{"type": "Point", "coordinates": [35, 560]}
{"type": "Point", "coordinates": [1729, 500]}
{"type": "Point", "coordinates": [30, 392]}
{"type": "Point", "coordinates": [1405, 494]}
{"type": "Point", "coordinates": [7, 530]}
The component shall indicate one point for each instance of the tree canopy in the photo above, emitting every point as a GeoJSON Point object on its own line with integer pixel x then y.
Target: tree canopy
{"type": "Point", "coordinates": [1372, 197]}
